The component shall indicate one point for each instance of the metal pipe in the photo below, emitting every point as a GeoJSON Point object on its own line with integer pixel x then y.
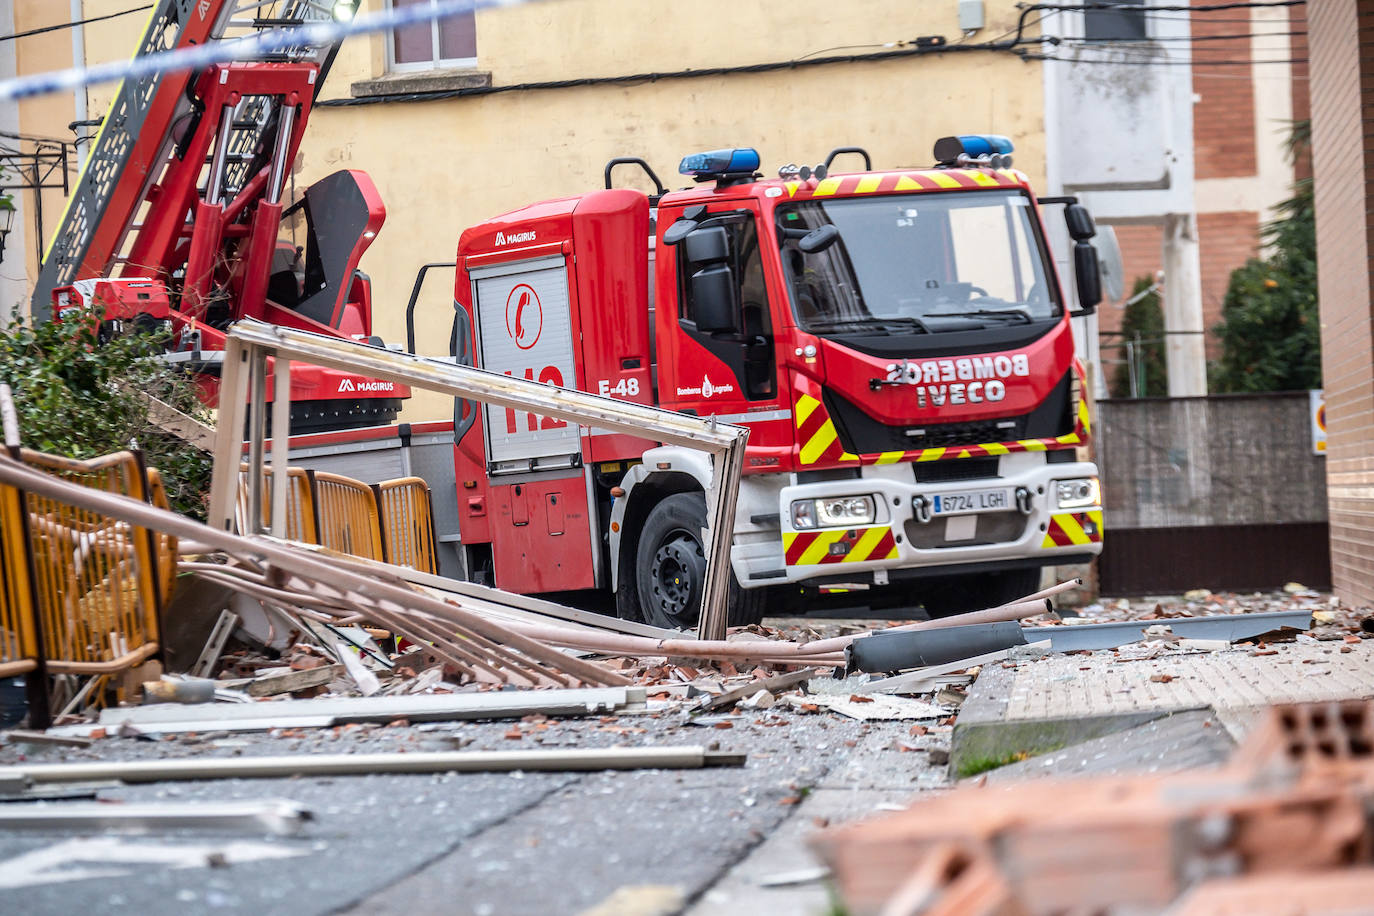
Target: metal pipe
{"type": "Point", "coordinates": [281, 429]}
{"type": "Point", "coordinates": [285, 120]}
{"type": "Point", "coordinates": [564, 760]}
{"type": "Point", "coordinates": [257, 423]}
{"type": "Point", "coordinates": [213, 191]}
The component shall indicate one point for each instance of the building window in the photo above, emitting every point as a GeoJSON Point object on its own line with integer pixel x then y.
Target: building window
{"type": "Point", "coordinates": [1115, 24]}
{"type": "Point", "coordinates": [447, 42]}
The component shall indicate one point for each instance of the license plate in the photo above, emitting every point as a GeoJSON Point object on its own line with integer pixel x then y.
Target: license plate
{"type": "Point", "coordinates": [972, 501]}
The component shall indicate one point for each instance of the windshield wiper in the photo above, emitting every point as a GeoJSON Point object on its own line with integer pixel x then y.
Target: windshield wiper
{"type": "Point", "coordinates": [1014, 314]}
{"type": "Point", "coordinates": [900, 322]}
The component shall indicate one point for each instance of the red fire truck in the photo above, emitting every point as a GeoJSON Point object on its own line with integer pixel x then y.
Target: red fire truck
{"type": "Point", "coordinates": [897, 343]}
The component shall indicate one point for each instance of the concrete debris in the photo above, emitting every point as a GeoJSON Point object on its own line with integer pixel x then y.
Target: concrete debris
{"type": "Point", "coordinates": [869, 708]}
{"type": "Point", "coordinates": [640, 900]}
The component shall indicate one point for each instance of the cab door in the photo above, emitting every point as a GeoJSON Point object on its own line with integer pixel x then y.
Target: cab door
{"type": "Point", "coordinates": [717, 313]}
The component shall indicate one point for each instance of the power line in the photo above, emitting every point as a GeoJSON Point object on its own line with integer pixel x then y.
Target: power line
{"type": "Point", "coordinates": [1147, 8]}
{"type": "Point", "coordinates": [72, 25]}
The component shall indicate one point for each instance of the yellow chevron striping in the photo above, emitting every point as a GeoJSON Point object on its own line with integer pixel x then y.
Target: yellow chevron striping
{"type": "Point", "coordinates": [826, 188]}
{"type": "Point", "coordinates": [944, 179]}
{"type": "Point", "coordinates": [1070, 439]}
{"type": "Point", "coordinates": [1083, 416]}
{"type": "Point", "coordinates": [787, 538]}
{"type": "Point", "coordinates": [848, 456]}
{"type": "Point", "coordinates": [906, 184]}
{"type": "Point", "coordinates": [930, 454]}
{"type": "Point", "coordinates": [819, 548]}
{"type": "Point", "coordinates": [996, 448]}
{"type": "Point", "coordinates": [862, 549]}
{"type": "Point", "coordinates": [983, 178]}
{"type": "Point", "coordinates": [792, 187]}
{"type": "Point", "coordinates": [1032, 445]}
{"type": "Point", "coordinates": [806, 405]}
{"type": "Point", "coordinates": [868, 184]}
{"type": "Point", "coordinates": [889, 457]}
{"type": "Point", "coordinates": [1069, 525]}
{"type": "Point", "coordinates": [814, 449]}
{"type": "Point", "coordinates": [1096, 516]}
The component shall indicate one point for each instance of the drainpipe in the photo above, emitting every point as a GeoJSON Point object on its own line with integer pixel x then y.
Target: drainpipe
{"type": "Point", "coordinates": [79, 93]}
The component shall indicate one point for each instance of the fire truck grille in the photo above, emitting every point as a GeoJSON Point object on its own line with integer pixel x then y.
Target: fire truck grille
{"type": "Point", "coordinates": [967, 469]}
{"type": "Point", "coordinates": [940, 435]}
{"type": "Point", "coordinates": [991, 528]}
{"type": "Point", "coordinates": [862, 434]}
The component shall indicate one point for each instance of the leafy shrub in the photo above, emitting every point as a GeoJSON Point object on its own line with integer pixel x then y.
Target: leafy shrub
{"type": "Point", "coordinates": [1270, 331]}
{"type": "Point", "coordinates": [79, 394]}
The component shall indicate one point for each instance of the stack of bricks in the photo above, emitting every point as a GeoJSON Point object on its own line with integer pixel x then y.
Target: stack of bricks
{"type": "Point", "coordinates": [1292, 802]}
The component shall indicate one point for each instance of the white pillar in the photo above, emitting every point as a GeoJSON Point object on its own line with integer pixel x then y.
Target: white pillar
{"type": "Point", "coordinates": [14, 280]}
{"type": "Point", "coordinates": [1184, 352]}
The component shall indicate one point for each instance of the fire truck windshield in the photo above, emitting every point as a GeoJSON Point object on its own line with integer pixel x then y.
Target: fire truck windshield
{"type": "Point", "coordinates": [917, 263]}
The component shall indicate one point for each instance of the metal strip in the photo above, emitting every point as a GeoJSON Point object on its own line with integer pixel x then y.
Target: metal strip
{"type": "Point", "coordinates": [1230, 627]}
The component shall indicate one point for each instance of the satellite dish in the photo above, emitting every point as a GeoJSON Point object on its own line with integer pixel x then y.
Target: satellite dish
{"type": "Point", "coordinates": [1109, 260]}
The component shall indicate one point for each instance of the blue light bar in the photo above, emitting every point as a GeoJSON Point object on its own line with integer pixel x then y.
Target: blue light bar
{"type": "Point", "coordinates": [720, 162]}
{"type": "Point", "coordinates": [948, 149]}
{"type": "Point", "coordinates": [986, 144]}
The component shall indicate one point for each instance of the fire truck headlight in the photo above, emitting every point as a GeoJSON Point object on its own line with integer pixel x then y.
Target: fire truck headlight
{"type": "Point", "coordinates": [1077, 494]}
{"type": "Point", "coordinates": [804, 514]}
{"type": "Point", "coordinates": [845, 510]}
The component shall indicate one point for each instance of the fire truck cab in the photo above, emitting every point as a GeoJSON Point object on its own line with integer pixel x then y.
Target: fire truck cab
{"type": "Point", "coordinates": [897, 344]}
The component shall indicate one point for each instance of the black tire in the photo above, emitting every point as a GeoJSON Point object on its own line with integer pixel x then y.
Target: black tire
{"type": "Point", "coordinates": [670, 568]}
{"type": "Point", "coordinates": [954, 595]}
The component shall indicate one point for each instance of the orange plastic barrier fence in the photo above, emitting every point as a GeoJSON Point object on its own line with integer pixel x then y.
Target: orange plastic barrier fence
{"type": "Point", "coordinates": [348, 517]}
{"type": "Point", "coordinates": [19, 647]}
{"type": "Point", "coordinates": [407, 523]}
{"type": "Point", "coordinates": [391, 522]}
{"type": "Point", "coordinates": [97, 580]}
{"type": "Point", "coordinates": [301, 524]}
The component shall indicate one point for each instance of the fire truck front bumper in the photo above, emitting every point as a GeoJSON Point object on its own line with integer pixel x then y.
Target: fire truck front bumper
{"type": "Point", "coordinates": [1044, 514]}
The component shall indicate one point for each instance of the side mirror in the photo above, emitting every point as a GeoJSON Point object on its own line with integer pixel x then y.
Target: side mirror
{"type": "Point", "coordinates": [679, 231]}
{"type": "Point", "coordinates": [713, 296]}
{"type": "Point", "coordinates": [707, 245]}
{"type": "Point", "coordinates": [1080, 222]}
{"type": "Point", "coordinates": [819, 239]}
{"type": "Point", "coordinates": [1088, 272]}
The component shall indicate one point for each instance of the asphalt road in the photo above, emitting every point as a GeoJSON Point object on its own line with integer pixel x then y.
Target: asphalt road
{"type": "Point", "coordinates": [517, 843]}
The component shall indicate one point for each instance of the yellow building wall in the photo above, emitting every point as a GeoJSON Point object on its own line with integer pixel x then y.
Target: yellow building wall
{"type": "Point", "coordinates": [444, 165]}
{"type": "Point", "coordinates": [43, 116]}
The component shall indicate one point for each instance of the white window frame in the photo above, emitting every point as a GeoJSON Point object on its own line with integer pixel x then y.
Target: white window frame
{"type": "Point", "coordinates": [435, 62]}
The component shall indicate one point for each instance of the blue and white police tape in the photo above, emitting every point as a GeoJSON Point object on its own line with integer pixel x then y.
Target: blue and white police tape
{"type": "Point", "coordinates": [315, 33]}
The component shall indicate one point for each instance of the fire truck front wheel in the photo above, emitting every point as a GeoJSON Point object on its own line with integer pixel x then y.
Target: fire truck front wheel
{"type": "Point", "coordinates": [670, 567]}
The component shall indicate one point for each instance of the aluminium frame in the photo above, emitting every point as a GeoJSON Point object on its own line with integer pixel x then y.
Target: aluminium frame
{"type": "Point", "coordinates": [243, 390]}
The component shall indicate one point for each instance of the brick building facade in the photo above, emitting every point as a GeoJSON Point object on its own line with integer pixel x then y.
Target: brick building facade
{"type": "Point", "coordinates": [1341, 37]}
{"type": "Point", "coordinates": [1238, 137]}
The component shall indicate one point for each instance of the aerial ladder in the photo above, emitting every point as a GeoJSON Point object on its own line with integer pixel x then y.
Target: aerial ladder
{"type": "Point", "coordinates": [177, 217]}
